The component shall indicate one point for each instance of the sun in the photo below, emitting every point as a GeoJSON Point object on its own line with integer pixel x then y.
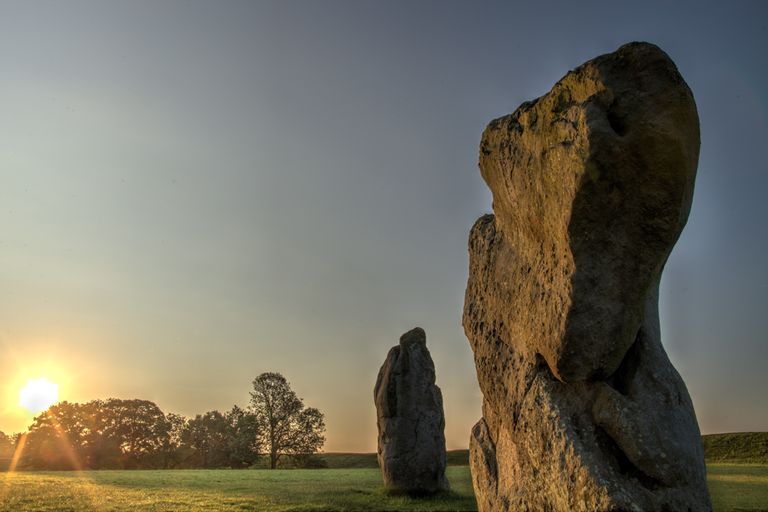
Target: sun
{"type": "Point", "coordinates": [38, 395]}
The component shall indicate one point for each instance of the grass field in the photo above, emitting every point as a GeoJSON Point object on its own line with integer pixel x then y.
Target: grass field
{"type": "Point", "coordinates": [738, 487]}
{"type": "Point", "coordinates": [220, 490]}
{"type": "Point", "coordinates": [734, 488]}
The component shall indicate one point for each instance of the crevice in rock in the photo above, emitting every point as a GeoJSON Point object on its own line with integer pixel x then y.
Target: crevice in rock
{"type": "Point", "coordinates": [617, 119]}
{"type": "Point", "coordinates": [621, 379]}
{"type": "Point", "coordinates": [621, 462]}
{"type": "Point", "coordinates": [392, 386]}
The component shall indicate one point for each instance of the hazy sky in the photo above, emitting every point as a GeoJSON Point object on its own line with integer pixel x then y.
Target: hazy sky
{"type": "Point", "coordinates": [192, 193]}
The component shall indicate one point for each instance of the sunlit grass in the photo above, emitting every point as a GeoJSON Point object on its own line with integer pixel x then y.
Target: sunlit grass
{"type": "Point", "coordinates": [734, 487]}
{"type": "Point", "coordinates": [223, 490]}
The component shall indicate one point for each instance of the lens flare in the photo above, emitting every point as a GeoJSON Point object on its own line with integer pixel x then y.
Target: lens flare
{"type": "Point", "coordinates": [38, 395]}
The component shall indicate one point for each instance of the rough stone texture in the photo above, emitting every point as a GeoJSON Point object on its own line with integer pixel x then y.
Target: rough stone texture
{"type": "Point", "coordinates": [409, 410]}
{"type": "Point", "coordinates": [592, 184]}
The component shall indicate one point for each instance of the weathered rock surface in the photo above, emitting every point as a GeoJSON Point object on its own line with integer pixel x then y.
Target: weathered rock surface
{"type": "Point", "coordinates": [592, 184]}
{"type": "Point", "coordinates": [409, 410]}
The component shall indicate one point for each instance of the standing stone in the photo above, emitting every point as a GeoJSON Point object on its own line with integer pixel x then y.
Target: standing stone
{"type": "Point", "coordinates": [592, 184]}
{"type": "Point", "coordinates": [409, 411]}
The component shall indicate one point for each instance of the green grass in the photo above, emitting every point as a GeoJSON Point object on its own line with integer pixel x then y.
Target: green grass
{"type": "Point", "coordinates": [738, 487]}
{"type": "Point", "coordinates": [734, 488]}
{"type": "Point", "coordinates": [318, 490]}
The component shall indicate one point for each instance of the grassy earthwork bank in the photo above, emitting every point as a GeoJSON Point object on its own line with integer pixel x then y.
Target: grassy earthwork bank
{"type": "Point", "coordinates": [351, 482]}
{"type": "Point", "coordinates": [743, 447]}
{"type": "Point", "coordinates": [368, 460]}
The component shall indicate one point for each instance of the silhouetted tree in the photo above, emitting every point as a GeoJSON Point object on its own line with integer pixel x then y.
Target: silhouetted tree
{"type": "Point", "coordinates": [126, 434]}
{"type": "Point", "coordinates": [100, 434]}
{"type": "Point", "coordinates": [140, 428]}
{"type": "Point", "coordinates": [7, 446]}
{"type": "Point", "coordinates": [243, 442]}
{"type": "Point", "coordinates": [286, 426]}
{"type": "Point", "coordinates": [170, 448]}
{"type": "Point", "coordinates": [100, 448]}
{"type": "Point", "coordinates": [206, 437]}
{"type": "Point", "coordinates": [56, 438]}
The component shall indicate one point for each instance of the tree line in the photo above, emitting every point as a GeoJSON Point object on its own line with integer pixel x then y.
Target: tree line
{"type": "Point", "coordinates": [275, 430]}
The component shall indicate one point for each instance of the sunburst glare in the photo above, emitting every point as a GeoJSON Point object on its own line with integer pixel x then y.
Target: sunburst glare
{"type": "Point", "coordinates": [38, 395]}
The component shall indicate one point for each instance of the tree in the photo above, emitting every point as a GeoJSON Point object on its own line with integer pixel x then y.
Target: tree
{"type": "Point", "coordinates": [56, 439]}
{"type": "Point", "coordinates": [100, 448]}
{"type": "Point", "coordinates": [170, 447]}
{"type": "Point", "coordinates": [243, 441]}
{"type": "Point", "coordinates": [140, 428]}
{"type": "Point", "coordinates": [287, 427]}
{"type": "Point", "coordinates": [206, 437]}
{"type": "Point", "coordinates": [6, 446]}
{"type": "Point", "coordinates": [101, 434]}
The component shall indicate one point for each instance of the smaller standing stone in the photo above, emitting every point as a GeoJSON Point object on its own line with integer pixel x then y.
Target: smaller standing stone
{"type": "Point", "coordinates": [409, 411]}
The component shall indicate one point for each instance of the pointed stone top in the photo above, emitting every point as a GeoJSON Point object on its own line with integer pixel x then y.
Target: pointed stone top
{"type": "Point", "coordinates": [415, 335]}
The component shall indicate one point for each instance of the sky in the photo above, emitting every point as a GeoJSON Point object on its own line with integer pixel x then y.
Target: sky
{"type": "Point", "coordinates": [193, 193]}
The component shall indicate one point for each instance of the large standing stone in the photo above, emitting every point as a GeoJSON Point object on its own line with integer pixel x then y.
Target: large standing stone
{"type": "Point", "coordinates": [592, 184]}
{"type": "Point", "coordinates": [409, 410]}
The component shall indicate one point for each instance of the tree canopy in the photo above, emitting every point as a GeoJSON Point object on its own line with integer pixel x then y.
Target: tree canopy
{"type": "Point", "coordinates": [127, 434]}
{"type": "Point", "coordinates": [287, 426]}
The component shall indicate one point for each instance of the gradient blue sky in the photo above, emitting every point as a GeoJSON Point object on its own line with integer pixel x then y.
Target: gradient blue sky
{"type": "Point", "coordinates": [192, 193]}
